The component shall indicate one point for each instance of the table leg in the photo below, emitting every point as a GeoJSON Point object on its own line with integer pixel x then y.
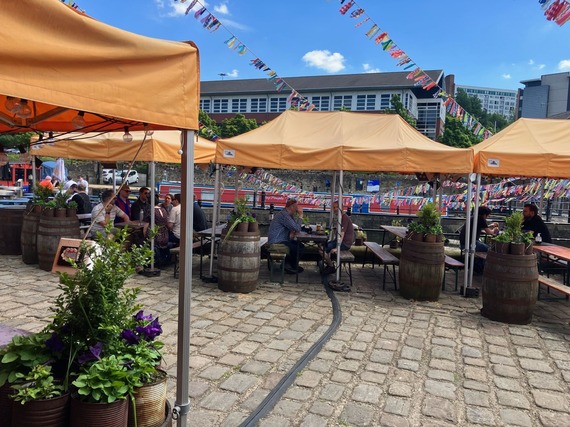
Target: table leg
{"type": "Point", "coordinates": [297, 255]}
{"type": "Point", "coordinates": [201, 254]}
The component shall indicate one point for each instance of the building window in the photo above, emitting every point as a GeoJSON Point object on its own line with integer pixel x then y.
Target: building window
{"type": "Point", "coordinates": [259, 105]}
{"type": "Point", "coordinates": [385, 99]}
{"type": "Point", "coordinates": [205, 105]}
{"type": "Point", "coordinates": [365, 102]}
{"type": "Point", "coordinates": [428, 114]}
{"type": "Point", "coordinates": [220, 105]}
{"type": "Point", "coordinates": [340, 101]}
{"type": "Point", "coordinates": [277, 105]}
{"type": "Point", "coordinates": [239, 105]}
{"type": "Point", "coordinates": [321, 103]}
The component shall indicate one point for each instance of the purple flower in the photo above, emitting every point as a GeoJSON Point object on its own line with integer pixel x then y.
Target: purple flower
{"type": "Point", "coordinates": [54, 343]}
{"type": "Point", "coordinates": [140, 316]}
{"type": "Point", "coordinates": [150, 331]}
{"type": "Point", "coordinates": [94, 353]}
{"type": "Point", "coordinates": [130, 337]}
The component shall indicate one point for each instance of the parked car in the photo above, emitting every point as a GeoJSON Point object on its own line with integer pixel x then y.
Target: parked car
{"type": "Point", "coordinates": [108, 175]}
{"type": "Point", "coordinates": [132, 178]}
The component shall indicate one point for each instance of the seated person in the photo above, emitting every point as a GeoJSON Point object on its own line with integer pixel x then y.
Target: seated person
{"type": "Point", "coordinates": [482, 227]}
{"type": "Point", "coordinates": [199, 218]}
{"type": "Point", "coordinates": [104, 213]}
{"type": "Point", "coordinates": [533, 222]}
{"type": "Point", "coordinates": [346, 236]}
{"type": "Point", "coordinates": [83, 202]}
{"type": "Point", "coordinates": [173, 223]}
{"type": "Point", "coordinates": [282, 230]}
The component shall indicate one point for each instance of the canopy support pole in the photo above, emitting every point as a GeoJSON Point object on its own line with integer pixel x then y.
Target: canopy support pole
{"type": "Point", "coordinates": [474, 230]}
{"type": "Point", "coordinates": [467, 233]}
{"type": "Point", "coordinates": [338, 223]}
{"type": "Point", "coordinates": [215, 213]}
{"type": "Point", "coordinates": [152, 204]}
{"type": "Point", "coordinates": [182, 404]}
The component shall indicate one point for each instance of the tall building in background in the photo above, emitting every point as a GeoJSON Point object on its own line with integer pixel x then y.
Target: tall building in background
{"type": "Point", "coordinates": [500, 101]}
{"type": "Point", "coordinates": [367, 92]}
{"type": "Point", "coordinates": [545, 97]}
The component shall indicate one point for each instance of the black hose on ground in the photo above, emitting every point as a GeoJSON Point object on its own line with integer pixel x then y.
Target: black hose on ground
{"type": "Point", "coordinates": [279, 390]}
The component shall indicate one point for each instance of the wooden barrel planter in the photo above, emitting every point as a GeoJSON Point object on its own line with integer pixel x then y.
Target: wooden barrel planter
{"type": "Point", "coordinates": [11, 221]}
{"type": "Point", "coordinates": [29, 236]}
{"type": "Point", "coordinates": [50, 230]}
{"type": "Point", "coordinates": [422, 266]}
{"type": "Point", "coordinates": [238, 262]}
{"type": "Point", "coordinates": [510, 287]}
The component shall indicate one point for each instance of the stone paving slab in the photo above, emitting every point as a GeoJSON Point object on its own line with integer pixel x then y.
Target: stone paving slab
{"type": "Point", "coordinates": [392, 362]}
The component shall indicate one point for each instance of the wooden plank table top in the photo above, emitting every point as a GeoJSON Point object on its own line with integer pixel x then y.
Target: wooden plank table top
{"type": "Point", "coordinates": [397, 231]}
{"type": "Point", "coordinates": [560, 252]}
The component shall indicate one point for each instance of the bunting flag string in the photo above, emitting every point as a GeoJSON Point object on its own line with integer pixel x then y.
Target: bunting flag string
{"type": "Point", "coordinates": [420, 77]}
{"type": "Point", "coordinates": [211, 23]}
{"type": "Point", "coordinates": [557, 11]}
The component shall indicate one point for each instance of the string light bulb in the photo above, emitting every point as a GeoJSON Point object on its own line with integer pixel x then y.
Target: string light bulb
{"type": "Point", "coordinates": [127, 137]}
{"type": "Point", "coordinates": [25, 111]}
{"type": "Point", "coordinates": [39, 142]}
{"type": "Point", "coordinates": [51, 140]}
{"type": "Point", "coordinates": [78, 121]}
{"type": "Point", "coordinates": [12, 104]}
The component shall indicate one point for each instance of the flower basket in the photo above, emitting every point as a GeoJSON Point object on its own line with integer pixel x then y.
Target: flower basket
{"type": "Point", "coordinates": [149, 403]}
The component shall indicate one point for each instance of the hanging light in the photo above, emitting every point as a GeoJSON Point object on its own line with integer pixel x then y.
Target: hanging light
{"type": "Point", "coordinates": [39, 142]}
{"type": "Point", "coordinates": [148, 130]}
{"type": "Point", "coordinates": [127, 137]}
{"type": "Point", "coordinates": [51, 140]}
{"type": "Point", "coordinates": [12, 104]}
{"type": "Point", "coordinates": [78, 121]}
{"type": "Point", "coordinates": [25, 111]}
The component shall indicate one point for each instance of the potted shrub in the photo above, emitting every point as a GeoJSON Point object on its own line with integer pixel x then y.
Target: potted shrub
{"type": "Point", "coordinates": [434, 233]}
{"type": "Point", "coordinates": [71, 210]}
{"type": "Point", "coordinates": [359, 237]}
{"type": "Point", "coordinates": [501, 243]}
{"type": "Point", "coordinates": [240, 218]}
{"type": "Point", "coordinates": [416, 231]}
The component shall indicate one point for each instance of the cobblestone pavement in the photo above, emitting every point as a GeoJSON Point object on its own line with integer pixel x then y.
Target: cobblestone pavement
{"type": "Point", "coordinates": [392, 362]}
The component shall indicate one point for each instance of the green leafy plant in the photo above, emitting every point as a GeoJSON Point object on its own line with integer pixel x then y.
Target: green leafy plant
{"type": "Point", "coordinates": [429, 216]}
{"type": "Point", "coordinates": [21, 354]}
{"type": "Point", "coordinates": [72, 205]}
{"type": "Point", "coordinates": [38, 384]}
{"type": "Point", "coordinates": [502, 238]}
{"type": "Point", "coordinates": [60, 200]}
{"type": "Point", "coordinates": [360, 234]}
{"type": "Point", "coordinates": [435, 229]}
{"type": "Point", "coordinates": [513, 226]}
{"type": "Point", "coordinates": [42, 193]}
{"type": "Point", "coordinates": [416, 227]}
{"type": "Point", "coordinates": [527, 237]}
{"type": "Point", "coordinates": [239, 214]}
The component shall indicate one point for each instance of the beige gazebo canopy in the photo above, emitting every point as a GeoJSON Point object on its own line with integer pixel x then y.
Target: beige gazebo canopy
{"type": "Point", "coordinates": [60, 62]}
{"type": "Point", "coordinates": [528, 147]}
{"type": "Point", "coordinates": [342, 141]}
{"type": "Point", "coordinates": [161, 146]}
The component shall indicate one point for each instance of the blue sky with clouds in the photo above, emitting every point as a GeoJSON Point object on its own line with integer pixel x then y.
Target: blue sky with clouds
{"type": "Point", "coordinates": [489, 43]}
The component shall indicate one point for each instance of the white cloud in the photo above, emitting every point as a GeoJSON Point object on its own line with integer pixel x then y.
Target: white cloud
{"type": "Point", "coordinates": [222, 9]}
{"type": "Point", "coordinates": [506, 76]}
{"type": "Point", "coordinates": [564, 65]}
{"type": "Point", "coordinates": [368, 69]}
{"type": "Point", "coordinates": [177, 9]}
{"type": "Point", "coordinates": [324, 60]}
{"type": "Point", "coordinates": [234, 73]}
{"type": "Point", "coordinates": [541, 66]}
{"type": "Point", "coordinates": [531, 62]}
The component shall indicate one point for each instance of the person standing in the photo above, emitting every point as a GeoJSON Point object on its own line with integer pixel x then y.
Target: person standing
{"type": "Point", "coordinates": [282, 230]}
{"type": "Point", "coordinates": [346, 238]}
{"type": "Point", "coordinates": [533, 222]}
{"type": "Point", "coordinates": [173, 223]}
{"type": "Point", "coordinates": [142, 204]}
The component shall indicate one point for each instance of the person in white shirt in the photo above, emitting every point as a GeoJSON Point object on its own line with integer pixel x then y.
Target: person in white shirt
{"type": "Point", "coordinates": [104, 213]}
{"type": "Point", "coordinates": [84, 182]}
{"type": "Point", "coordinates": [174, 220]}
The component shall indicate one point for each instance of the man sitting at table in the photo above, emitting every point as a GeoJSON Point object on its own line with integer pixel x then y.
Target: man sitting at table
{"type": "Point", "coordinates": [282, 230]}
{"type": "Point", "coordinates": [142, 204]}
{"type": "Point", "coordinates": [533, 222]}
{"type": "Point", "coordinates": [346, 238]}
{"type": "Point", "coordinates": [105, 213]}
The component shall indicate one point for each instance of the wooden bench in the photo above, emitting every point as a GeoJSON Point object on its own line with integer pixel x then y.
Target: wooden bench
{"type": "Point", "coordinates": [346, 258]}
{"type": "Point", "coordinates": [276, 254]}
{"type": "Point", "coordinates": [455, 265]}
{"type": "Point", "coordinates": [553, 284]}
{"type": "Point", "coordinates": [384, 257]}
{"type": "Point", "coordinates": [176, 252]}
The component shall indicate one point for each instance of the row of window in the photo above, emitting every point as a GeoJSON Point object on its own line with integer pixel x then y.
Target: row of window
{"type": "Point", "coordinates": [365, 102]}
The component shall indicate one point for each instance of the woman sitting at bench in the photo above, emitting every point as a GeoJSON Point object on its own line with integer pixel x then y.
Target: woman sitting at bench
{"type": "Point", "coordinates": [346, 238]}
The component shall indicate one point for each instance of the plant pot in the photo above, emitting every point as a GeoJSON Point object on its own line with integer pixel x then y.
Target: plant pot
{"type": "Point", "coordinates": [37, 209]}
{"type": "Point", "coordinates": [417, 237]}
{"type": "Point", "coordinates": [71, 212]}
{"type": "Point", "coordinates": [42, 413]}
{"type": "Point", "coordinates": [529, 249]}
{"type": "Point", "coordinates": [439, 238]}
{"type": "Point", "coordinates": [394, 244]}
{"type": "Point", "coordinates": [358, 242]}
{"type": "Point", "coordinates": [85, 414]}
{"type": "Point", "coordinates": [49, 212]}
{"type": "Point", "coordinates": [517, 249]}
{"type": "Point", "coordinates": [430, 238]}
{"type": "Point", "coordinates": [150, 400]}
{"type": "Point", "coordinates": [502, 247]}
{"type": "Point", "coordinates": [253, 227]}
{"type": "Point", "coordinates": [242, 227]}
{"type": "Point", "coordinates": [60, 212]}
{"type": "Point", "coordinates": [6, 404]}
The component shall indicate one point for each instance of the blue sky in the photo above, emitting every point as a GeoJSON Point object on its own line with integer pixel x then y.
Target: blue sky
{"type": "Point", "coordinates": [488, 43]}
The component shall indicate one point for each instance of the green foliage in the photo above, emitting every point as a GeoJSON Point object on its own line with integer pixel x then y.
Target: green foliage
{"type": "Point", "coordinates": [42, 193]}
{"type": "Point", "coordinates": [239, 214]}
{"type": "Point", "coordinates": [513, 224]}
{"type": "Point", "coordinates": [237, 125]}
{"type": "Point", "coordinates": [456, 134]}
{"type": "Point", "coordinates": [435, 229]}
{"type": "Point", "coordinates": [429, 216]}
{"type": "Point", "coordinates": [401, 110]}
{"type": "Point", "coordinates": [72, 205]}
{"type": "Point", "coordinates": [13, 140]}
{"type": "Point", "coordinates": [502, 238]}
{"type": "Point", "coordinates": [416, 227]}
{"type": "Point", "coordinates": [527, 237]}
{"type": "Point", "coordinates": [209, 125]}
{"type": "Point", "coordinates": [20, 356]}
{"type": "Point", "coordinates": [60, 200]}
{"type": "Point", "coordinates": [38, 384]}
{"type": "Point", "coordinates": [105, 380]}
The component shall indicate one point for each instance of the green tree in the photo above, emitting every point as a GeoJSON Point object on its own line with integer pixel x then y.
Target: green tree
{"type": "Point", "coordinates": [456, 134]}
{"type": "Point", "coordinates": [12, 141]}
{"type": "Point", "coordinates": [401, 110]}
{"type": "Point", "coordinates": [237, 125]}
{"type": "Point", "coordinates": [210, 126]}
